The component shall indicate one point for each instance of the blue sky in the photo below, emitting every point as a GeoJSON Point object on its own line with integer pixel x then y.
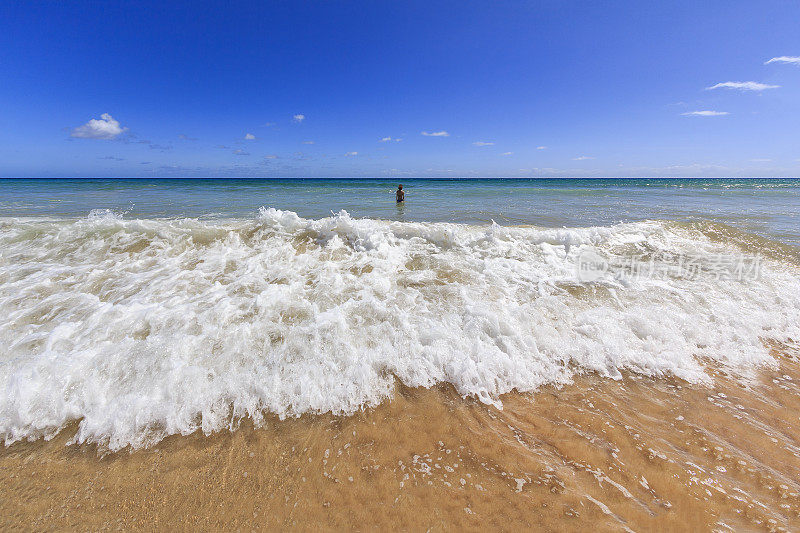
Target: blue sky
{"type": "Point", "coordinates": [550, 88]}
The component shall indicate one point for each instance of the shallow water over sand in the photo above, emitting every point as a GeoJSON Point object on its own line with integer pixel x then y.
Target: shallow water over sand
{"type": "Point", "coordinates": [640, 453]}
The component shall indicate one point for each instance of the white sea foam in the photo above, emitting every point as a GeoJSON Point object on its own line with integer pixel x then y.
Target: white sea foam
{"type": "Point", "coordinates": [146, 328]}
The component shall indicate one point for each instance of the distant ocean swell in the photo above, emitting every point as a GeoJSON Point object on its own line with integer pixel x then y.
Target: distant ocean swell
{"type": "Point", "coordinates": [146, 328]}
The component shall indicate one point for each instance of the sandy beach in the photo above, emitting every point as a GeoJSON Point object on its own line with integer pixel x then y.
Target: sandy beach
{"type": "Point", "coordinates": [636, 454]}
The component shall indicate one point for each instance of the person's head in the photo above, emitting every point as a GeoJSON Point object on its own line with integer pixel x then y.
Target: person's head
{"type": "Point", "coordinates": [399, 187]}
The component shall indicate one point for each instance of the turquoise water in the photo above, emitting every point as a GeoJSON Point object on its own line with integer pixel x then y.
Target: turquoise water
{"type": "Point", "coordinates": [769, 207]}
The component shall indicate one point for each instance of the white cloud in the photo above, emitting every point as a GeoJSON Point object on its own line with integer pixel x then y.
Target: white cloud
{"type": "Point", "coordinates": [351, 154]}
{"type": "Point", "coordinates": [705, 113]}
{"type": "Point", "coordinates": [742, 86]}
{"type": "Point", "coordinates": [298, 118]}
{"type": "Point", "coordinates": [761, 160]}
{"type": "Point", "coordinates": [249, 137]}
{"type": "Point", "coordinates": [103, 128]}
{"type": "Point", "coordinates": [794, 60]}
{"type": "Point", "coordinates": [483, 143]}
{"type": "Point", "coordinates": [436, 133]}
{"type": "Point", "coordinates": [541, 147]}
{"type": "Point", "coordinates": [582, 158]}
{"type": "Point", "coordinates": [270, 156]}
{"type": "Point", "coordinates": [308, 142]}
{"type": "Point", "coordinates": [389, 139]}
{"type": "Point", "coordinates": [507, 153]}
{"type": "Point", "coordinates": [240, 152]}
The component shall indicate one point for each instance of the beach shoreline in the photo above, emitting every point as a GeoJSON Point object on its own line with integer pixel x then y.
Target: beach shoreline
{"type": "Point", "coordinates": [634, 453]}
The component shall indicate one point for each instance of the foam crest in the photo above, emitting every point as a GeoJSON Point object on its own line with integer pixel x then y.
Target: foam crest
{"type": "Point", "coordinates": [147, 328]}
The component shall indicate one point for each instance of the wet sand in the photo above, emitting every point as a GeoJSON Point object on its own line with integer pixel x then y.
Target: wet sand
{"type": "Point", "coordinates": [638, 454]}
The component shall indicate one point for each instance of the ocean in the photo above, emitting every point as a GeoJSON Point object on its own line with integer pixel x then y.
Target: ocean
{"type": "Point", "coordinates": [522, 324]}
{"type": "Point", "coordinates": [767, 206]}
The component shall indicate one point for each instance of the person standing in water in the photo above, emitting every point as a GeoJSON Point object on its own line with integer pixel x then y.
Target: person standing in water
{"type": "Point", "coordinates": [400, 195]}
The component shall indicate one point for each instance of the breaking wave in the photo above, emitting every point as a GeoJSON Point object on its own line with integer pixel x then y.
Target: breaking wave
{"type": "Point", "coordinates": [141, 329]}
